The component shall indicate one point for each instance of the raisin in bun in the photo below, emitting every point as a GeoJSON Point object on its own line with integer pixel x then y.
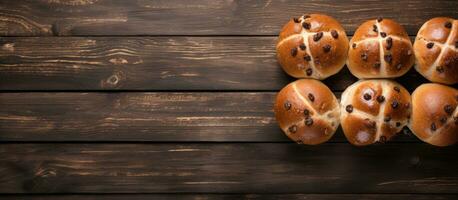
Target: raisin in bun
{"type": "Point", "coordinates": [307, 111]}
{"type": "Point", "coordinates": [436, 50]}
{"type": "Point", "coordinates": [435, 114]}
{"type": "Point", "coordinates": [374, 111]}
{"type": "Point", "coordinates": [312, 46]}
{"type": "Point", "coordinates": [380, 48]}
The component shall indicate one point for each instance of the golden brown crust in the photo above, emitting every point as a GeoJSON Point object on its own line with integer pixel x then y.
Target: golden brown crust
{"type": "Point", "coordinates": [398, 104]}
{"type": "Point", "coordinates": [390, 27]}
{"type": "Point", "coordinates": [361, 130]}
{"type": "Point", "coordinates": [290, 28]}
{"type": "Point", "coordinates": [425, 57]}
{"type": "Point", "coordinates": [365, 31]}
{"type": "Point", "coordinates": [368, 90]}
{"type": "Point", "coordinates": [313, 46]}
{"type": "Point", "coordinates": [307, 111]}
{"type": "Point", "coordinates": [436, 50]}
{"type": "Point", "coordinates": [363, 61]}
{"type": "Point", "coordinates": [374, 110]}
{"type": "Point", "coordinates": [292, 64]}
{"type": "Point", "coordinates": [380, 49]}
{"type": "Point", "coordinates": [435, 30]}
{"type": "Point", "coordinates": [435, 114]}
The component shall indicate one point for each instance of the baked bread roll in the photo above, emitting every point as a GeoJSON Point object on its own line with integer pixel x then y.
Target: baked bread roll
{"type": "Point", "coordinates": [436, 50]}
{"type": "Point", "coordinates": [435, 114]}
{"type": "Point", "coordinates": [380, 48]}
{"type": "Point", "coordinates": [312, 46]}
{"type": "Point", "coordinates": [374, 111]}
{"type": "Point", "coordinates": [307, 111]}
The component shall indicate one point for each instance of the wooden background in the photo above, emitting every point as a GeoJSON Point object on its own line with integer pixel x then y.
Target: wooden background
{"type": "Point", "coordinates": [172, 99]}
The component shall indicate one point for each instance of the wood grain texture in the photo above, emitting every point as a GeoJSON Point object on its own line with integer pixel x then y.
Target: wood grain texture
{"type": "Point", "coordinates": [203, 17]}
{"type": "Point", "coordinates": [90, 117]}
{"type": "Point", "coordinates": [133, 136]}
{"type": "Point", "coordinates": [236, 196]}
{"type": "Point", "coordinates": [226, 168]}
{"type": "Point", "coordinates": [151, 63]}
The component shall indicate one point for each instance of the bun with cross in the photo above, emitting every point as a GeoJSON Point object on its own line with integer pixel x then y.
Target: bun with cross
{"type": "Point", "coordinates": [435, 114]}
{"type": "Point", "coordinates": [436, 50]}
{"type": "Point", "coordinates": [312, 46]}
{"type": "Point", "coordinates": [307, 111]}
{"type": "Point", "coordinates": [374, 111]}
{"type": "Point", "coordinates": [380, 48]}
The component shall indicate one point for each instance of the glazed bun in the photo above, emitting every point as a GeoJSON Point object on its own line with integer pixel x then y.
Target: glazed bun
{"type": "Point", "coordinates": [435, 114]}
{"type": "Point", "coordinates": [374, 111]}
{"type": "Point", "coordinates": [380, 48]}
{"type": "Point", "coordinates": [312, 46]}
{"type": "Point", "coordinates": [307, 111]}
{"type": "Point", "coordinates": [436, 50]}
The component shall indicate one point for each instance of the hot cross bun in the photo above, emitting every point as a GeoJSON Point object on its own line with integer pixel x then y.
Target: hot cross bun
{"type": "Point", "coordinates": [436, 50]}
{"type": "Point", "coordinates": [307, 111]}
{"type": "Point", "coordinates": [435, 114]}
{"type": "Point", "coordinates": [380, 48]}
{"type": "Point", "coordinates": [313, 46]}
{"type": "Point", "coordinates": [374, 111]}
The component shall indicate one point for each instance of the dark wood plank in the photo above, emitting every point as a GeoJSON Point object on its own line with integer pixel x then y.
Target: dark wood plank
{"type": "Point", "coordinates": [227, 116]}
{"type": "Point", "coordinates": [227, 168]}
{"type": "Point", "coordinates": [236, 196]}
{"type": "Point", "coordinates": [151, 63]}
{"type": "Point", "coordinates": [203, 17]}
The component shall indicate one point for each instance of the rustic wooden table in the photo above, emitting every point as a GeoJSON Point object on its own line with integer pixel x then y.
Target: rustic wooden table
{"type": "Point", "coordinates": [173, 100]}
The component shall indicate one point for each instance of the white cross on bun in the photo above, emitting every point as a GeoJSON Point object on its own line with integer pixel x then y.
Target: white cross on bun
{"type": "Point", "coordinates": [312, 46]}
{"type": "Point", "coordinates": [374, 111]}
{"type": "Point", "coordinates": [307, 111]}
{"type": "Point", "coordinates": [436, 50]}
{"type": "Point", "coordinates": [380, 48]}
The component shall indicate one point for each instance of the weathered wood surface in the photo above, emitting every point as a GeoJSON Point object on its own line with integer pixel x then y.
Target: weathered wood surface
{"type": "Point", "coordinates": [227, 168]}
{"type": "Point", "coordinates": [151, 63]}
{"type": "Point", "coordinates": [203, 17]}
{"type": "Point", "coordinates": [133, 136]}
{"type": "Point", "coordinates": [236, 196]}
{"type": "Point", "coordinates": [91, 117]}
